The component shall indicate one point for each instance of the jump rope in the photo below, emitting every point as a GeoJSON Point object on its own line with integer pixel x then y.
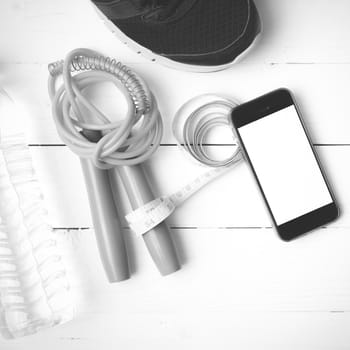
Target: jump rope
{"type": "Point", "coordinates": [110, 150]}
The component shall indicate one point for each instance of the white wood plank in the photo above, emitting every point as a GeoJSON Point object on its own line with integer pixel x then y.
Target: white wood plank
{"type": "Point", "coordinates": [275, 331]}
{"type": "Point", "coordinates": [299, 31]}
{"type": "Point", "coordinates": [34, 26]}
{"type": "Point", "coordinates": [231, 201]}
{"type": "Point", "coordinates": [304, 31]}
{"type": "Point", "coordinates": [244, 270]}
{"type": "Point", "coordinates": [238, 288]}
{"type": "Point", "coordinates": [325, 112]}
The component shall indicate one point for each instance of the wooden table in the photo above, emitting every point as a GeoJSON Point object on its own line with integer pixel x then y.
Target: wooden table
{"type": "Point", "coordinates": [241, 287]}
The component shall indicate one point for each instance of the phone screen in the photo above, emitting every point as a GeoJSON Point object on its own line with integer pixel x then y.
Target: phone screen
{"type": "Point", "coordinates": [285, 165]}
{"type": "Point", "coordinates": [283, 161]}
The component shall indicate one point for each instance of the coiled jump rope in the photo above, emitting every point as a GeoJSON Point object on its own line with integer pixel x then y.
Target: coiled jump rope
{"type": "Point", "coordinates": [192, 125]}
{"type": "Point", "coordinates": [109, 150]}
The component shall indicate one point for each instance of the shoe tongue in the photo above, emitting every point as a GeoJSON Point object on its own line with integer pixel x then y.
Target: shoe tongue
{"type": "Point", "coordinates": [166, 6]}
{"type": "Point", "coordinates": [121, 9]}
{"type": "Point", "coordinates": [169, 10]}
{"type": "Point", "coordinates": [158, 9]}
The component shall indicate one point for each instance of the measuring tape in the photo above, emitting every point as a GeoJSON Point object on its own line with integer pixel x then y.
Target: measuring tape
{"type": "Point", "coordinates": [153, 213]}
{"type": "Point", "coordinates": [191, 126]}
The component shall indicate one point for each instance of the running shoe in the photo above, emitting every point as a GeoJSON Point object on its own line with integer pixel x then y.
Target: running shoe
{"type": "Point", "coordinates": [194, 35]}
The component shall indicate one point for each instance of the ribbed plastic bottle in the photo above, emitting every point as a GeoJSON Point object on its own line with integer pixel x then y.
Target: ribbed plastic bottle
{"type": "Point", "coordinates": [34, 288]}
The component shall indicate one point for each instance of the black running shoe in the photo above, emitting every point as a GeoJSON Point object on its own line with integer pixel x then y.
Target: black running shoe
{"type": "Point", "coordinates": [196, 35]}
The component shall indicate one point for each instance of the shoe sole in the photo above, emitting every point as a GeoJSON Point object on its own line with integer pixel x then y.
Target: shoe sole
{"type": "Point", "coordinates": [151, 56]}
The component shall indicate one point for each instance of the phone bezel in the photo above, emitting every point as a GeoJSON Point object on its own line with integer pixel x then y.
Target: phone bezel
{"type": "Point", "coordinates": [257, 109]}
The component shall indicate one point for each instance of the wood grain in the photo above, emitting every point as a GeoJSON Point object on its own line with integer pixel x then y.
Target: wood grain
{"type": "Point", "coordinates": [241, 287]}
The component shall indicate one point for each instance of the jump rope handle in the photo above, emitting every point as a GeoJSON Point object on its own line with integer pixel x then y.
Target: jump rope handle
{"type": "Point", "coordinates": [106, 222]}
{"type": "Point", "coordinates": [158, 240]}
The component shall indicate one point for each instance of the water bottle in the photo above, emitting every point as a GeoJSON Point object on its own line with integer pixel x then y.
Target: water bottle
{"type": "Point", "coordinates": [34, 288]}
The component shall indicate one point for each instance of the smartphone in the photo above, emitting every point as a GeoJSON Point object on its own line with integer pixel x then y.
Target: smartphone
{"type": "Point", "coordinates": [275, 143]}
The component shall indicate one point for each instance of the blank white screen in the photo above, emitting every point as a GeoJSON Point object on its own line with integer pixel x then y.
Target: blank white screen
{"type": "Point", "coordinates": [285, 165]}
